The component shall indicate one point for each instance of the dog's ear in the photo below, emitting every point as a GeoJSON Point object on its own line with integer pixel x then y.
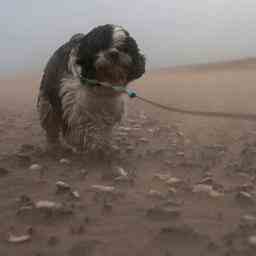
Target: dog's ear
{"type": "Point", "coordinates": [138, 68]}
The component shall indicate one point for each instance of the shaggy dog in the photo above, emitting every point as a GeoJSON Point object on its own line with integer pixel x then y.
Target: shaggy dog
{"type": "Point", "coordinates": [69, 105]}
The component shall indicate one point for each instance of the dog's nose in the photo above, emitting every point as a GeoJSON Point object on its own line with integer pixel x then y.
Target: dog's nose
{"type": "Point", "coordinates": [114, 54]}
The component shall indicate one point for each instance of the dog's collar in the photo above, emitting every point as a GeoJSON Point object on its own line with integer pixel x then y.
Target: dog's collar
{"type": "Point", "coordinates": [118, 88]}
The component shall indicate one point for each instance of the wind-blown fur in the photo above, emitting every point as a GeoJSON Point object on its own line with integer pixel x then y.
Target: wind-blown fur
{"type": "Point", "coordinates": [85, 115]}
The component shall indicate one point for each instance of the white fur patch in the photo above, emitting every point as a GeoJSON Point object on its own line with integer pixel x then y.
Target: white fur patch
{"type": "Point", "coordinates": [118, 35]}
{"type": "Point", "coordinates": [73, 67]}
{"type": "Point", "coordinates": [89, 116]}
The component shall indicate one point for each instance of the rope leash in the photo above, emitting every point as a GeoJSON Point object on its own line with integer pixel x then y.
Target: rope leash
{"type": "Point", "coordinates": [133, 94]}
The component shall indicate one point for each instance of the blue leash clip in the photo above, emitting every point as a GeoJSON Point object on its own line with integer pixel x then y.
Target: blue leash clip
{"type": "Point", "coordinates": [131, 94]}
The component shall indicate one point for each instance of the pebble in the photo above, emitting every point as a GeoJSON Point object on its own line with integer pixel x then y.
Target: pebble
{"type": "Point", "coordinates": [47, 205]}
{"type": "Point", "coordinates": [122, 172]}
{"type": "Point", "coordinates": [172, 191]}
{"type": "Point", "coordinates": [102, 188]}
{"type": "Point", "coordinates": [206, 189]}
{"type": "Point", "coordinates": [250, 219]}
{"type": "Point", "coordinates": [244, 197]}
{"type": "Point", "coordinates": [84, 173]}
{"type": "Point", "coordinates": [75, 194]}
{"type": "Point", "coordinates": [62, 186]}
{"type": "Point", "coordinates": [124, 128]}
{"type": "Point", "coordinates": [144, 140]}
{"type": "Point", "coordinates": [180, 154]}
{"type": "Point", "coordinates": [162, 177]}
{"type": "Point", "coordinates": [156, 194]}
{"type": "Point", "coordinates": [18, 239]}
{"type": "Point", "coordinates": [35, 167]}
{"type": "Point", "coordinates": [65, 161]}
{"type": "Point", "coordinates": [207, 181]}
{"type": "Point", "coordinates": [173, 181]}
{"type": "Point", "coordinates": [252, 241]}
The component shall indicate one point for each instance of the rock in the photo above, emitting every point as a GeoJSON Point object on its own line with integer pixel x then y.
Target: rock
{"type": "Point", "coordinates": [206, 189]}
{"type": "Point", "coordinates": [172, 191]}
{"type": "Point", "coordinates": [156, 194]}
{"type": "Point", "coordinates": [62, 186]}
{"type": "Point", "coordinates": [35, 167]}
{"type": "Point", "coordinates": [122, 172]}
{"type": "Point", "coordinates": [125, 129]}
{"type": "Point", "coordinates": [48, 205]}
{"type": "Point", "coordinates": [51, 207]}
{"type": "Point", "coordinates": [173, 181]}
{"type": "Point", "coordinates": [180, 154]}
{"type": "Point", "coordinates": [75, 194]}
{"type": "Point", "coordinates": [143, 140]}
{"type": "Point", "coordinates": [65, 161]}
{"type": "Point", "coordinates": [207, 181]}
{"type": "Point", "coordinates": [252, 241]}
{"type": "Point", "coordinates": [84, 173]}
{"type": "Point", "coordinates": [249, 219]}
{"type": "Point", "coordinates": [101, 188]}
{"type": "Point", "coordinates": [3, 172]}
{"type": "Point", "coordinates": [123, 179]}
{"type": "Point", "coordinates": [244, 198]}
{"type": "Point", "coordinates": [162, 177]}
{"type": "Point", "coordinates": [18, 239]}
{"type": "Point", "coordinates": [180, 134]}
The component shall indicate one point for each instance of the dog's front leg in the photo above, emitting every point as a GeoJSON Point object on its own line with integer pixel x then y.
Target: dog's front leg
{"type": "Point", "coordinates": [50, 123]}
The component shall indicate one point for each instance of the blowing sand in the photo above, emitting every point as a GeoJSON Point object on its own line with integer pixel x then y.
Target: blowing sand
{"type": "Point", "coordinates": [187, 186]}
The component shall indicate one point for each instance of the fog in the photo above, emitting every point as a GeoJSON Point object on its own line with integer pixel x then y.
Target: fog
{"type": "Point", "coordinates": [170, 32]}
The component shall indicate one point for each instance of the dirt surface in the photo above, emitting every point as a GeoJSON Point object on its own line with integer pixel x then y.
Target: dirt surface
{"type": "Point", "coordinates": [185, 185]}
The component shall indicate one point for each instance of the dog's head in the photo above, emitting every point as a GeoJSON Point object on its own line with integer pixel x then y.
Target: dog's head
{"type": "Point", "coordinates": [109, 54]}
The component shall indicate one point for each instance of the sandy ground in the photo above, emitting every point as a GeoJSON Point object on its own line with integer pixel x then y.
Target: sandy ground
{"type": "Point", "coordinates": [188, 185]}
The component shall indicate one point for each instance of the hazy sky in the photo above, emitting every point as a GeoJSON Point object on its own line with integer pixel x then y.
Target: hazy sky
{"type": "Point", "coordinates": [170, 32]}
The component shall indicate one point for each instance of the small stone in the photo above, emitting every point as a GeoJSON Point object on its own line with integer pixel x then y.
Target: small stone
{"type": "Point", "coordinates": [252, 241]}
{"type": "Point", "coordinates": [244, 198]}
{"type": "Point", "coordinates": [47, 205]}
{"type": "Point", "coordinates": [123, 179]}
{"type": "Point", "coordinates": [202, 188]}
{"type": "Point", "coordinates": [102, 188]}
{"type": "Point", "coordinates": [250, 219]}
{"type": "Point", "coordinates": [18, 239]}
{"type": "Point", "coordinates": [35, 167]}
{"type": "Point", "coordinates": [62, 186]}
{"type": "Point", "coordinates": [130, 149]}
{"type": "Point", "coordinates": [143, 140]}
{"type": "Point", "coordinates": [172, 191]}
{"type": "Point", "coordinates": [173, 181]}
{"type": "Point", "coordinates": [206, 181]}
{"type": "Point", "coordinates": [156, 194]}
{"type": "Point", "coordinates": [75, 194]}
{"type": "Point", "coordinates": [180, 154]}
{"type": "Point", "coordinates": [162, 177]}
{"type": "Point", "coordinates": [122, 172]}
{"type": "Point", "coordinates": [180, 134]}
{"type": "Point", "coordinates": [206, 189]}
{"type": "Point", "coordinates": [65, 161]}
{"type": "Point", "coordinates": [84, 173]}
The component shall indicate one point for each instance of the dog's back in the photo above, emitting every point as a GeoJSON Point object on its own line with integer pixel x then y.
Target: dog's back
{"type": "Point", "coordinates": [56, 69]}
